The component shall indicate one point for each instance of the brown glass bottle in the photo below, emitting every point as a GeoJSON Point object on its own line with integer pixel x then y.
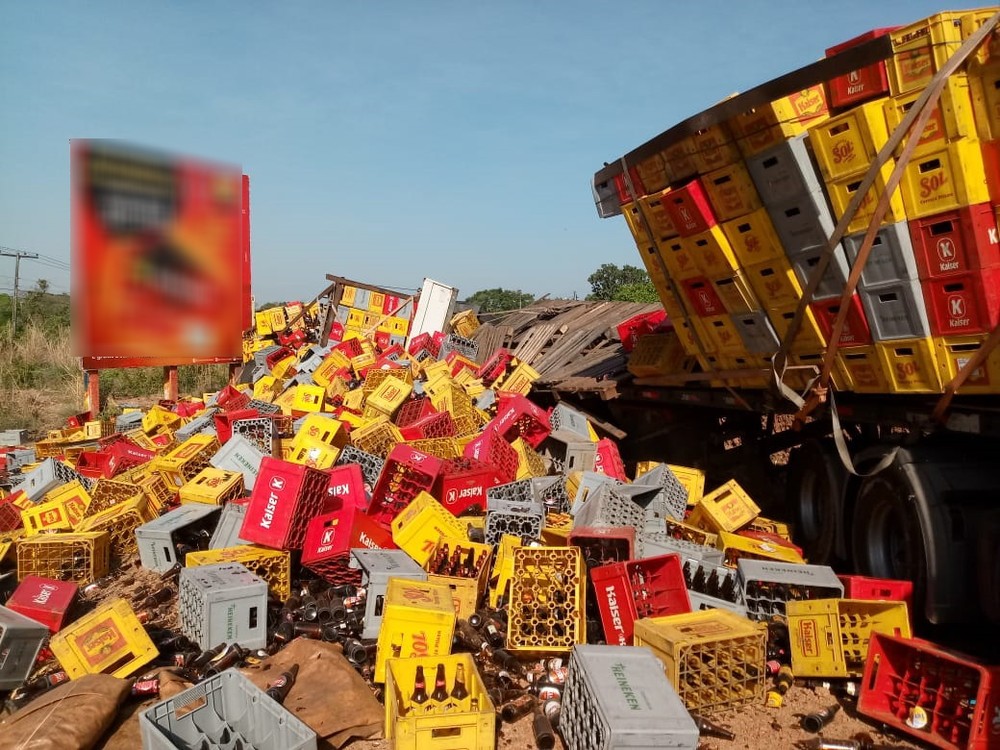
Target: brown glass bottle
{"type": "Point", "coordinates": [459, 691]}
{"type": "Point", "coordinates": [440, 694]}
{"type": "Point", "coordinates": [419, 696]}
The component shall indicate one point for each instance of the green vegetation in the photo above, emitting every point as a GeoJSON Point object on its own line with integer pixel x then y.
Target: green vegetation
{"type": "Point", "coordinates": [626, 283]}
{"type": "Point", "coordinates": [499, 300]}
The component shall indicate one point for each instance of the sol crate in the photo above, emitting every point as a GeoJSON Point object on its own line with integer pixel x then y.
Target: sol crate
{"type": "Point", "coordinates": [627, 591]}
{"type": "Point", "coordinates": [830, 637]}
{"type": "Point", "coordinates": [81, 557]}
{"type": "Point", "coordinates": [468, 722]}
{"type": "Point", "coordinates": [940, 696]}
{"type": "Point", "coordinates": [418, 620]}
{"type": "Point", "coordinates": [109, 640]}
{"type": "Point", "coordinates": [618, 697]}
{"type": "Point", "coordinates": [727, 508]}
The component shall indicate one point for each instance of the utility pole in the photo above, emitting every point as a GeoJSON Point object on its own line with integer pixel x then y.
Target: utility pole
{"type": "Point", "coordinates": [16, 255]}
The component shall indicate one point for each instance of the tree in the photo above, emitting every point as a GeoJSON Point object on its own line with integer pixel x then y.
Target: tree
{"type": "Point", "coordinates": [607, 282]}
{"type": "Point", "coordinates": [499, 300]}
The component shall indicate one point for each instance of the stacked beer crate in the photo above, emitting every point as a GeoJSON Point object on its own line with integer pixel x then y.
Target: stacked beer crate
{"type": "Point", "coordinates": [738, 214]}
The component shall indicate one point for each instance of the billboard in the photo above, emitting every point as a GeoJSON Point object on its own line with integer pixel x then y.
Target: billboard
{"type": "Point", "coordinates": [160, 256]}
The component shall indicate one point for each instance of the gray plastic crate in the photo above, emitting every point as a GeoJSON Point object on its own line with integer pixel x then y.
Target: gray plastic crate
{"type": "Point", "coordinates": [455, 343]}
{"type": "Point", "coordinates": [219, 713]}
{"type": "Point", "coordinates": [48, 475]}
{"type": "Point", "coordinates": [156, 538]}
{"type": "Point", "coordinates": [551, 493]}
{"type": "Point", "coordinates": [20, 639]}
{"type": "Point", "coordinates": [523, 519]}
{"type": "Point", "coordinates": [711, 585]}
{"type": "Point", "coordinates": [606, 198]}
{"type": "Point", "coordinates": [239, 454]}
{"type": "Point", "coordinates": [260, 356]}
{"type": "Point", "coordinates": [619, 697]}
{"type": "Point", "coordinates": [519, 491]}
{"type": "Point", "coordinates": [579, 456]}
{"type": "Point", "coordinates": [18, 458]}
{"type": "Point", "coordinates": [371, 465]}
{"type": "Point", "coordinates": [767, 586]}
{"type": "Point", "coordinates": [608, 507]}
{"type": "Point", "coordinates": [12, 438]}
{"type": "Point", "coordinates": [804, 221]}
{"type": "Point", "coordinates": [895, 311]}
{"type": "Point", "coordinates": [263, 407]}
{"type": "Point", "coordinates": [891, 259]}
{"type": "Point", "coordinates": [377, 567]}
{"type": "Point", "coordinates": [656, 543]}
{"type": "Point", "coordinates": [674, 493]}
{"type": "Point", "coordinates": [202, 424]}
{"type": "Point", "coordinates": [486, 399]}
{"type": "Point", "coordinates": [589, 482]}
{"type": "Point", "coordinates": [784, 172]}
{"type": "Point", "coordinates": [757, 332]}
{"type": "Point", "coordinates": [227, 532]}
{"type": "Point", "coordinates": [130, 421]}
{"type": "Point", "coordinates": [260, 431]}
{"type": "Point", "coordinates": [568, 425]}
{"type": "Point", "coordinates": [223, 602]}
{"type": "Point", "coordinates": [834, 278]}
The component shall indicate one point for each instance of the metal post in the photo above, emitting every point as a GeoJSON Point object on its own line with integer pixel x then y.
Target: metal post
{"type": "Point", "coordinates": [16, 255]}
{"type": "Point", "coordinates": [170, 383]}
{"type": "Point", "coordinates": [94, 392]}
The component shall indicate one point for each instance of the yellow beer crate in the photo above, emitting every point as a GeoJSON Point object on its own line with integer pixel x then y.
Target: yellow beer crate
{"type": "Point", "coordinates": [714, 658]}
{"type": "Point", "coordinates": [283, 367]}
{"type": "Point", "coordinates": [910, 364]}
{"type": "Point", "coordinates": [8, 542]}
{"type": "Point", "coordinates": [276, 318]}
{"type": "Point", "coordinates": [726, 508]}
{"type": "Point", "coordinates": [466, 592]}
{"type": "Point", "coordinates": [503, 568]}
{"type": "Point", "coordinates": [110, 492]}
{"type": "Point", "coordinates": [377, 438]}
{"type": "Point", "coordinates": [952, 118]}
{"type": "Point", "coordinates": [355, 399]}
{"type": "Point", "coordinates": [712, 253]}
{"type": "Point", "coordinates": [734, 547]}
{"type": "Point", "coordinates": [52, 515]}
{"type": "Point", "coordinates": [109, 640]}
{"type": "Point", "coordinates": [184, 462]}
{"type": "Point", "coordinates": [656, 354]}
{"type": "Point", "coordinates": [761, 127]}
{"type": "Point", "coordinates": [212, 486]}
{"type": "Point", "coordinates": [775, 283]}
{"type": "Point", "coordinates": [985, 90]}
{"type": "Point", "coordinates": [724, 337]}
{"type": "Point", "coordinates": [308, 398]}
{"type": "Point", "coordinates": [731, 192]}
{"type": "Point", "coordinates": [547, 610]}
{"type": "Point", "coordinates": [310, 452]}
{"type": "Point", "coordinates": [157, 416]}
{"type": "Point", "coordinates": [465, 323]}
{"type": "Point", "coordinates": [830, 637]}
{"type": "Point", "coordinates": [441, 447]}
{"type": "Point", "coordinates": [82, 557]}
{"type": "Point", "coordinates": [418, 620]}
{"type": "Point", "coordinates": [466, 723]}
{"type": "Point", "coordinates": [334, 362]}
{"type": "Point", "coordinates": [920, 49]}
{"type": "Point", "coordinates": [862, 370]}
{"type": "Point", "coordinates": [390, 395]}
{"type": "Point", "coordinates": [689, 533]}
{"type": "Point", "coordinates": [153, 486]}
{"type": "Point", "coordinates": [954, 352]}
{"type": "Point", "coordinates": [266, 388]}
{"type": "Point", "coordinates": [274, 566]}
{"type": "Point", "coordinates": [557, 528]}
{"type": "Point", "coordinates": [420, 526]}
{"type": "Point", "coordinates": [768, 526]}
{"type": "Point", "coordinates": [262, 323]}
{"type": "Point", "coordinates": [714, 147]}
{"type": "Point", "coordinates": [348, 295]}
{"type": "Point", "coordinates": [529, 462]}
{"type": "Point", "coordinates": [519, 380]}
{"type": "Point", "coordinates": [947, 178]}
{"type": "Point", "coordinates": [375, 378]}
{"type": "Point", "coordinates": [842, 190]}
{"type": "Point", "coordinates": [120, 522]}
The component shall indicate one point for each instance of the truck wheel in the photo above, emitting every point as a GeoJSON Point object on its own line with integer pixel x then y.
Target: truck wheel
{"type": "Point", "coordinates": [886, 534]}
{"type": "Point", "coordinates": [989, 568]}
{"type": "Point", "coordinates": [814, 496]}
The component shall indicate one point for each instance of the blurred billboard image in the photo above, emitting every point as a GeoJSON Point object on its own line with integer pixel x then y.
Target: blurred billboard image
{"type": "Point", "coordinates": [160, 256]}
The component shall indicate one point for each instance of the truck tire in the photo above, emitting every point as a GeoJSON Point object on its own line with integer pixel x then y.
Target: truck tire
{"type": "Point", "coordinates": [989, 568]}
{"type": "Point", "coordinates": [814, 497]}
{"type": "Point", "coordinates": [887, 540]}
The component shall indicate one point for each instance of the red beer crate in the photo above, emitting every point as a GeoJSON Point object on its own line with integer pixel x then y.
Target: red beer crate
{"type": "Point", "coordinates": [97, 464]}
{"type": "Point", "coordinates": [491, 448]}
{"type": "Point", "coordinates": [10, 515]}
{"type": "Point", "coordinates": [224, 421]}
{"type": "Point", "coordinates": [406, 473]}
{"type": "Point", "coordinates": [437, 425]}
{"type": "Point", "coordinates": [331, 537]}
{"type": "Point", "coordinates": [703, 297]}
{"type": "Point", "coordinates": [855, 331]}
{"type": "Point", "coordinates": [622, 188]}
{"type": "Point", "coordinates": [348, 484]}
{"type": "Point", "coordinates": [414, 410]}
{"type": "Point", "coordinates": [285, 496]}
{"type": "Point", "coordinates": [229, 398]}
{"type": "Point", "coordinates": [878, 589]}
{"type": "Point", "coordinates": [463, 482]}
{"type": "Point", "coordinates": [630, 331]}
{"type": "Point", "coordinates": [517, 417]}
{"type": "Point", "coordinates": [604, 545]}
{"type": "Point", "coordinates": [44, 600]}
{"type": "Point", "coordinates": [690, 209]}
{"type": "Point", "coordinates": [869, 82]}
{"type": "Point", "coordinates": [969, 303]}
{"type": "Point", "coordinates": [940, 696]}
{"type": "Point", "coordinates": [956, 242]}
{"type": "Point", "coordinates": [627, 591]}
{"type": "Point", "coordinates": [494, 367]}
{"type": "Point", "coordinates": [607, 460]}
{"type": "Point", "coordinates": [128, 453]}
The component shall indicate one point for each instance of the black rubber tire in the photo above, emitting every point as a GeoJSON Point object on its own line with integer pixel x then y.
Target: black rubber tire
{"type": "Point", "coordinates": [989, 568]}
{"type": "Point", "coordinates": [814, 498]}
{"type": "Point", "coordinates": [886, 534]}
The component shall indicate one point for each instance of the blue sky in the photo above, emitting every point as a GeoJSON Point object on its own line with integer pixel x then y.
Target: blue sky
{"type": "Point", "coordinates": [389, 141]}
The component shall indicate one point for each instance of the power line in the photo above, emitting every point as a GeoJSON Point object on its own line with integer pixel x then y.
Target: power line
{"type": "Point", "coordinates": [16, 255]}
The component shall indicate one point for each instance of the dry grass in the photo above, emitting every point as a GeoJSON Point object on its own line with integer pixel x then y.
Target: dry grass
{"type": "Point", "coordinates": [41, 383]}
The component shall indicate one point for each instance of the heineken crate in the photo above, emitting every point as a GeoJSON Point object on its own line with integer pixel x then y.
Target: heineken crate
{"type": "Point", "coordinates": [712, 585]}
{"type": "Point", "coordinates": [619, 697]}
{"type": "Point", "coordinates": [767, 586]}
{"type": "Point", "coordinates": [82, 557]}
{"type": "Point", "coordinates": [45, 477]}
{"type": "Point", "coordinates": [274, 566]}
{"type": "Point", "coordinates": [568, 425]}
{"type": "Point", "coordinates": [551, 493]}
{"type": "Point", "coordinates": [240, 455]}
{"type": "Point", "coordinates": [128, 422]}
{"type": "Point", "coordinates": [223, 603]}
{"type": "Point", "coordinates": [714, 658]}
{"type": "Point", "coordinates": [203, 424]}
{"type": "Point", "coordinates": [227, 531]}
{"type": "Point", "coordinates": [226, 710]}
{"type": "Point", "coordinates": [20, 639]}
{"type": "Point", "coordinates": [546, 613]}
{"type": "Point", "coordinates": [108, 640]}
{"type": "Point", "coordinates": [523, 519]}
{"type": "Point", "coordinates": [377, 567]}
{"type": "Point", "coordinates": [157, 539]}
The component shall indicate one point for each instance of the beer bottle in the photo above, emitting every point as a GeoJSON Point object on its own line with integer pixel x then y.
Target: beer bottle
{"type": "Point", "coordinates": [279, 689]}
{"type": "Point", "coordinates": [459, 691]}
{"type": "Point", "coordinates": [545, 738]}
{"type": "Point", "coordinates": [470, 564]}
{"type": "Point", "coordinates": [419, 696]}
{"type": "Point", "coordinates": [516, 708]}
{"type": "Point", "coordinates": [440, 694]}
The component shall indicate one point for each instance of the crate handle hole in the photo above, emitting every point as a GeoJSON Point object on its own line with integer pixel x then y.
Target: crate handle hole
{"type": "Point", "coordinates": [836, 129]}
{"type": "Point", "coordinates": [793, 212]}
{"type": "Point", "coordinates": [446, 732]}
{"type": "Point", "coordinates": [768, 163]}
{"type": "Point", "coordinates": [929, 166]}
{"type": "Point", "coordinates": [889, 297]}
{"type": "Point", "coordinates": [722, 180]}
{"type": "Point", "coordinates": [743, 228]}
{"type": "Point", "coordinates": [954, 287]}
